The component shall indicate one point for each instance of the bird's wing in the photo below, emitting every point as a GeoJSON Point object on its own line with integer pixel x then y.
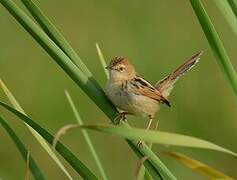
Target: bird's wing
{"type": "Point", "coordinates": [165, 86]}
{"type": "Point", "coordinates": [140, 86]}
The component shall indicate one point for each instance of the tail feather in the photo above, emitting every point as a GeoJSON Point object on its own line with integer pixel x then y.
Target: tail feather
{"type": "Point", "coordinates": [165, 86]}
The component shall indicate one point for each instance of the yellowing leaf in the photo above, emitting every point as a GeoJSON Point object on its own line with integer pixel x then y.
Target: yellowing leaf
{"type": "Point", "coordinates": [198, 166]}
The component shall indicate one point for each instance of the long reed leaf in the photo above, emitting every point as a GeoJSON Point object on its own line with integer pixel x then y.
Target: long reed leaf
{"type": "Point", "coordinates": [39, 138]}
{"type": "Point", "coordinates": [36, 172]}
{"type": "Point", "coordinates": [159, 137]}
{"type": "Point", "coordinates": [87, 137]}
{"type": "Point", "coordinates": [216, 44]}
{"type": "Point", "coordinates": [76, 164]}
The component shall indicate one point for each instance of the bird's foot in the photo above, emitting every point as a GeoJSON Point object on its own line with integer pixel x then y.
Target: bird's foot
{"type": "Point", "coordinates": [121, 117]}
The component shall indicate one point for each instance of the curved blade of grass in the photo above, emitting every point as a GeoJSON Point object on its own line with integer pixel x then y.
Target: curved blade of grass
{"type": "Point", "coordinates": [55, 35]}
{"type": "Point", "coordinates": [36, 172]}
{"type": "Point", "coordinates": [216, 44]}
{"type": "Point", "coordinates": [102, 59]}
{"type": "Point", "coordinates": [228, 14]}
{"type": "Point", "coordinates": [63, 130]}
{"type": "Point", "coordinates": [61, 149]}
{"type": "Point", "coordinates": [233, 5]}
{"type": "Point", "coordinates": [87, 138]}
{"type": "Point", "coordinates": [87, 84]}
{"type": "Point", "coordinates": [159, 137]}
{"type": "Point", "coordinates": [39, 138]}
{"type": "Point", "coordinates": [198, 166]}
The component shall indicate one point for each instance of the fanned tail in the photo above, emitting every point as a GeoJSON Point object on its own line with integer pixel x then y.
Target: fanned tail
{"type": "Point", "coordinates": [165, 86]}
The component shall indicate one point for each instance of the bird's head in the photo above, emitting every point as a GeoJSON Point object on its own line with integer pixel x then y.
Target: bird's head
{"type": "Point", "coordinates": [120, 69]}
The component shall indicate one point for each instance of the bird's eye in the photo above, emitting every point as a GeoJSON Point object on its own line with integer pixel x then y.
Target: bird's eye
{"type": "Point", "coordinates": [121, 68]}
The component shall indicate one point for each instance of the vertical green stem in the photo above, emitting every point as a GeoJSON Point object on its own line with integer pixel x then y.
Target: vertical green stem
{"type": "Point", "coordinates": [87, 137]}
{"type": "Point", "coordinates": [216, 44]}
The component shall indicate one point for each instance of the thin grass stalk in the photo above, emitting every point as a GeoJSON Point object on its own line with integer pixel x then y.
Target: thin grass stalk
{"type": "Point", "coordinates": [216, 44]}
{"type": "Point", "coordinates": [87, 138]}
{"type": "Point", "coordinates": [89, 87]}
{"type": "Point", "coordinates": [39, 138]}
{"type": "Point", "coordinates": [102, 60]}
{"type": "Point", "coordinates": [36, 172]}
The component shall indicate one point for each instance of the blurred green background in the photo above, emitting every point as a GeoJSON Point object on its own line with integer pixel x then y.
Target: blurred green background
{"type": "Point", "coordinates": [156, 36]}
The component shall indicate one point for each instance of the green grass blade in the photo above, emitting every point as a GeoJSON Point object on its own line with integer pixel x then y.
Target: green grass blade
{"type": "Point", "coordinates": [216, 44]}
{"type": "Point", "coordinates": [233, 5]}
{"type": "Point", "coordinates": [198, 166]}
{"type": "Point", "coordinates": [87, 84]}
{"type": "Point", "coordinates": [87, 138]}
{"type": "Point", "coordinates": [102, 60]}
{"type": "Point", "coordinates": [41, 140]}
{"type": "Point", "coordinates": [36, 172]}
{"type": "Point", "coordinates": [159, 137]}
{"type": "Point", "coordinates": [76, 164]}
{"type": "Point", "coordinates": [55, 35]}
{"type": "Point", "coordinates": [228, 14]}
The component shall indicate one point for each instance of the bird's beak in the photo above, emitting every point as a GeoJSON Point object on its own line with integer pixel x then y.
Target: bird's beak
{"type": "Point", "coordinates": [109, 67]}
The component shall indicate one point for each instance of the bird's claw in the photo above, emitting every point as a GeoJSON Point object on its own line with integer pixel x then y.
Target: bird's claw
{"type": "Point", "coordinates": [140, 143]}
{"type": "Point", "coordinates": [121, 117]}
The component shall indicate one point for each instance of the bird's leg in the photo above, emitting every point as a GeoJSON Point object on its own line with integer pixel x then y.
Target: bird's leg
{"type": "Point", "coordinates": [140, 142]}
{"type": "Point", "coordinates": [149, 124]}
{"type": "Point", "coordinates": [120, 117]}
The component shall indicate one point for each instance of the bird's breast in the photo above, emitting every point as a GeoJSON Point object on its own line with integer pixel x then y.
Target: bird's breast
{"type": "Point", "coordinates": [130, 102]}
{"type": "Point", "coordinates": [117, 95]}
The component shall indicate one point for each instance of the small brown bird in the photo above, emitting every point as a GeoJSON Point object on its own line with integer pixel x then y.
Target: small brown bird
{"type": "Point", "coordinates": [134, 95]}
